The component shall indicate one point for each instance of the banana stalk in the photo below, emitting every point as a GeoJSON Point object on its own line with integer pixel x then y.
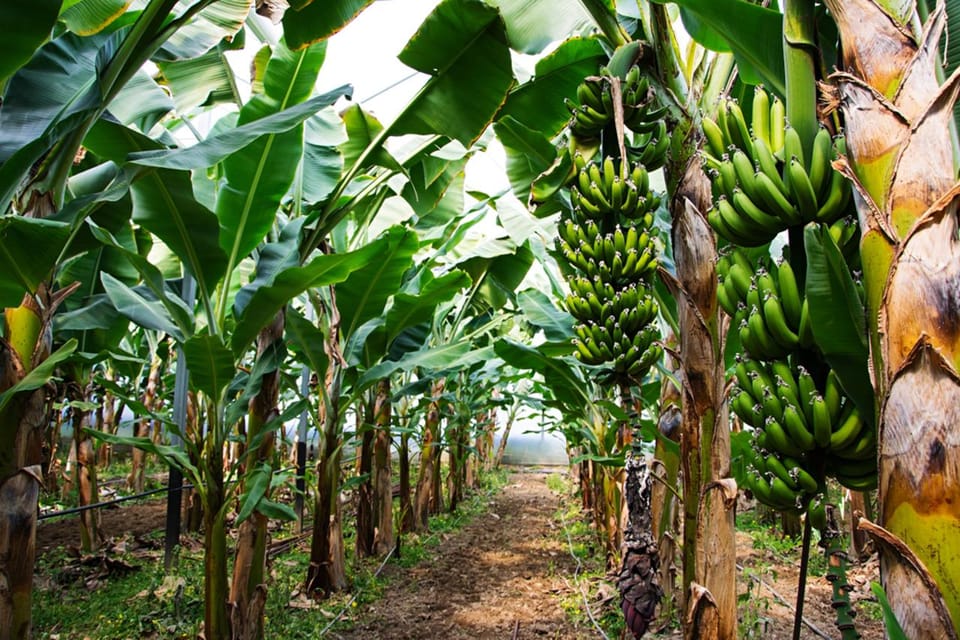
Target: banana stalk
{"type": "Point", "coordinates": [901, 163]}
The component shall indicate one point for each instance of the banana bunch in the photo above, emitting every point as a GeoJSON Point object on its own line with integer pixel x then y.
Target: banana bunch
{"type": "Point", "coordinates": [602, 191]}
{"type": "Point", "coordinates": [768, 310]}
{"type": "Point", "coordinates": [763, 182]}
{"type": "Point", "coordinates": [631, 354]}
{"type": "Point", "coordinates": [625, 255]}
{"type": "Point", "coordinates": [781, 483]}
{"type": "Point", "coordinates": [594, 108]}
{"type": "Point", "coordinates": [797, 420]}
{"type": "Point", "coordinates": [650, 148]}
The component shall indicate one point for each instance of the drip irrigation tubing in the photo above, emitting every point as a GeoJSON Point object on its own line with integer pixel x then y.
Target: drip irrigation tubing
{"type": "Point", "coordinates": [108, 503]}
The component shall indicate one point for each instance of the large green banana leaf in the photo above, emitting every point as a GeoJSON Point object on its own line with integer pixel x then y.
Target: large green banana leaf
{"type": "Point", "coordinates": [412, 306]}
{"type": "Point", "coordinates": [48, 97]}
{"type": "Point", "coordinates": [307, 22]}
{"type": "Point", "coordinates": [210, 362]}
{"type": "Point", "coordinates": [451, 356]}
{"type": "Point", "coordinates": [291, 282]}
{"type": "Point", "coordinates": [564, 381]}
{"type": "Point", "coordinates": [218, 20]}
{"type": "Point", "coordinates": [87, 17]}
{"type": "Point", "coordinates": [259, 175]}
{"type": "Point", "coordinates": [532, 25]}
{"type": "Point", "coordinates": [529, 153]}
{"type": "Point", "coordinates": [29, 250]}
{"type": "Point", "coordinates": [753, 33]}
{"type": "Point", "coordinates": [539, 103]}
{"type": "Point", "coordinates": [364, 294]}
{"type": "Point", "coordinates": [462, 47]}
{"type": "Point", "coordinates": [201, 81]}
{"type": "Point", "coordinates": [539, 310]}
{"type": "Point", "coordinates": [25, 25]}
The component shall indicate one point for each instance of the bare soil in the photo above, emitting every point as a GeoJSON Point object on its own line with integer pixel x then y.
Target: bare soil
{"type": "Point", "coordinates": [508, 574]}
{"type": "Point", "coordinates": [502, 576]}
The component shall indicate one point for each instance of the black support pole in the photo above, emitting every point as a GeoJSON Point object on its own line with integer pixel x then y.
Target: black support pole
{"type": "Point", "coordinates": [175, 478]}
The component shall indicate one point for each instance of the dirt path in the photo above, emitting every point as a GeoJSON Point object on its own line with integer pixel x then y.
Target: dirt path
{"type": "Point", "coordinates": [506, 567]}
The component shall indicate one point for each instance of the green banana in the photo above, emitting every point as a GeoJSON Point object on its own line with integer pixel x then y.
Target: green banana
{"type": "Point", "coordinates": [820, 159]}
{"type": "Point", "coordinates": [789, 291]}
{"type": "Point", "coordinates": [802, 190]}
{"type": "Point", "coordinates": [777, 468]}
{"type": "Point", "coordinates": [714, 138]}
{"type": "Point", "coordinates": [767, 163]}
{"type": "Point", "coordinates": [760, 115]}
{"type": "Point", "coordinates": [773, 318]}
{"type": "Point", "coordinates": [796, 427]}
{"type": "Point", "coordinates": [778, 125]}
{"type": "Point", "coordinates": [778, 440]}
{"type": "Point", "coordinates": [764, 223]}
{"type": "Point", "coordinates": [776, 202]}
{"type": "Point", "coordinates": [848, 430]}
{"type": "Point", "coordinates": [822, 424]}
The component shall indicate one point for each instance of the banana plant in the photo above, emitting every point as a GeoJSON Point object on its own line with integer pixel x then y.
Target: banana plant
{"type": "Point", "coordinates": [47, 111]}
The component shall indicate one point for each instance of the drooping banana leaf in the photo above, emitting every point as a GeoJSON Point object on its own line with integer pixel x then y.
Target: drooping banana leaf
{"type": "Point", "coordinates": [305, 23]}
{"type": "Point", "coordinates": [217, 21]}
{"type": "Point", "coordinates": [291, 282]}
{"type": "Point", "coordinates": [532, 25]}
{"type": "Point", "coordinates": [210, 362]}
{"type": "Point", "coordinates": [529, 154]}
{"type": "Point", "coordinates": [753, 33]}
{"type": "Point", "coordinates": [368, 288]}
{"type": "Point", "coordinates": [539, 103]}
{"type": "Point", "coordinates": [539, 310]}
{"type": "Point", "coordinates": [25, 25]}
{"type": "Point", "coordinates": [29, 249]}
{"type": "Point", "coordinates": [88, 17]}
{"type": "Point", "coordinates": [462, 47]}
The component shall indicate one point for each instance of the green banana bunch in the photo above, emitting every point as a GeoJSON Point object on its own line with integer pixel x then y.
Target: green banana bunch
{"type": "Point", "coordinates": [795, 418]}
{"type": "Point", "coordinates": [594, 108]}
{"type": "Point", "coordinates": [650, 148]}
{"type": "Point", "coordinates": [766, 305]}
{"type": "Point", "coordinates": [604, 190]}
{"type": "Point", "coordinates": [762, 181]}
{"type": "Point", "coordinates": [783, 483]}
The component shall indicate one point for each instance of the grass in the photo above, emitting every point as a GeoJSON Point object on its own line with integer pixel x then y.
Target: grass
{"type": "Point", "coordinates": [120, 595]}
{"type": "Point", "coordinates": [581, 540]}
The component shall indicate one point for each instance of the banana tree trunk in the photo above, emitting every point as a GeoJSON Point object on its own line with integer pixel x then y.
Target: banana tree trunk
{"type": "Point", "coordinates": [142, 428]}
{"type": "Point", "coordinates": [86, 480]}
{"type": "Point", "coordinates": [901, 161]}
{"type": "Point", "coordinates": [326, 572]}
{"type": "Point", "coordinates": [21, 428]}
{"type": "Point", "coordinates": [248, 590]}
{"type": "Point", "coordinates": [382, 472]}
{"type": "Point", "coordinates": [709, 547]}
{"type": "Point", "coordinates": [406, 508]}
{"type": "Point", "coordinates": [364, 537]}
{"type": "Point", "coordinates": [429, 462]}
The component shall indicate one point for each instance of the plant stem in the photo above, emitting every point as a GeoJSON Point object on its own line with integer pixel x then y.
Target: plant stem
{"type": "Point", "coordinates": [802, 586]}
{"type": "Point", "coordinates": [799, 57]}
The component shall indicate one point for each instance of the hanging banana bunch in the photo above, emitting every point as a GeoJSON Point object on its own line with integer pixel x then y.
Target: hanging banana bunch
{"type": "Point", "coordinates": [594, 111]}
{"type": "Point", "coordinates": [763, 183]}
{"type": "Point", "coordinates": [606, 239]}
{"type": "Point", "coordinates": [806, 429]}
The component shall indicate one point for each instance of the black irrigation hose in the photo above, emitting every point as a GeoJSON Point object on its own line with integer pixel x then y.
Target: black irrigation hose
{"type": "Point", "coordinates": [107, 503]}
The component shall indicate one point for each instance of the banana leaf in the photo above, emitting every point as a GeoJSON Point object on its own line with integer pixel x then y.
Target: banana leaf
{"type": "Point", "coordinates": [462, 47]}
{"type": "Point", "coordinates": [539, 310]}
{"type": "Point", "coordinates": [532, 25]}
{"type": "Point", "coordinates": [753, 33]}
{"type": "Point", "coordinates": [837, 318]}
{"type": "Point", "coordinates": [211, 364]}
{"type": "Point", "coordinates": [291, 282]}
{"type": "Point", "coordinates": [25, 24]}
{"type": "Point", "coordinates": [306, 23]}
{"type": "Point", "coordinates": [29, 250]}
{"type": "Point", "coordinates": [259, 175]}
{"type": "Point", "coordinates": [370, 286]}
{"type": "Point", "coordinates": [539, 103]}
